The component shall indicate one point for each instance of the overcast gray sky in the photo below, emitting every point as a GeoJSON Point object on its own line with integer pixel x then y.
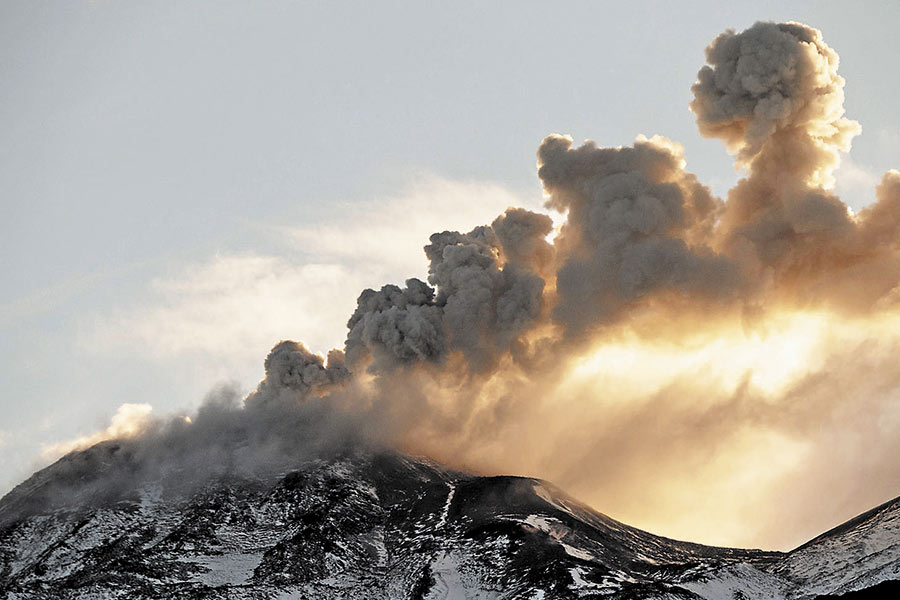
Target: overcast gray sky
{"type": "Point", "coordinates": [183, 184]}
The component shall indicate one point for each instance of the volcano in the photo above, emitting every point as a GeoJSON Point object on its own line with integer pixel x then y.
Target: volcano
{"type": "Point", "coordinates": [368, 525]}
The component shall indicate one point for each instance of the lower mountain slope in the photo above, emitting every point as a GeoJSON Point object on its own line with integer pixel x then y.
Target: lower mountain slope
{"type": "Point", "coordinates": [372, 525]}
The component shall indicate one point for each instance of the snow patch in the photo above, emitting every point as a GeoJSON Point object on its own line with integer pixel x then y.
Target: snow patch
{"type": "Point", "coordinates": [227, 569]}
{"type": "Point", "coordinates": [446, 512]}
{"type": "Point", "coordinates": [736, 581]}
{"type": "Point", "coordinates": [450, 583]}
{"type": "Point", "coordinates": [854, 559]}
{"type": "Point", "coordinates": [579, 580]}
{"type": "Point", "coordinates": [558, 531]}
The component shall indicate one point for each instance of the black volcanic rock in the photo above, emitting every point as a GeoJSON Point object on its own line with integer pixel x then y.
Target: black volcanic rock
{"type": "Point", "coordinates": [381, 525]}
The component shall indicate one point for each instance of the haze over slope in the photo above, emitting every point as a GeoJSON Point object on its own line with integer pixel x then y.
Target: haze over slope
{"type": "Point", "coordinates": [677, 359]}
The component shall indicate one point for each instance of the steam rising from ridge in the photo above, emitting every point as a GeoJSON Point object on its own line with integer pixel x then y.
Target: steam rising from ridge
{"type": "Point", "coordinates": [483, 365]}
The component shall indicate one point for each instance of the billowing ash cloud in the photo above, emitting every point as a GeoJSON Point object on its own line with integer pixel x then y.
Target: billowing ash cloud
{"type": "Point", "coordinates": [523, 238]}
{"type": "Point", "coordinates": [488, 294]}
{"type": "Point", "coordinates": [292, 370]}
{"type": "Point", "coordinates": [641, 234]}
{"type": "Point", "coordinates": [396, 326]}
{"type": "Point", "coordinates": [771, 88]}
{"type": "Point", "coordinates": [479, 366]}
{"type": "Point", "coordinates": [772, 93]}
{"type": "Point", "coordinates": [637, 224]}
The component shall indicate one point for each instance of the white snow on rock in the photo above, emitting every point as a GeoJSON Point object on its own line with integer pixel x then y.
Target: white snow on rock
{"type": "Point", "coordinates": [861, 556]}
{"type": "Point", "coordinates": [558, 531]}
{"type": "Point", "coordinates": [451, 582]}
{"type": "Point", "coordinates": [446, 510]}
{"type": "Point", "coordinates": [734, 580]}
{"type": "Point", "coordinates": [227, 569]}
{"type": "Point", "coordinates": [346, 530]}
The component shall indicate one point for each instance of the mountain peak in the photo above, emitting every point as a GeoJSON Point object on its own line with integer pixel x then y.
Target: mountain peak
{"type": "Point", "coordinates": [377, 525]}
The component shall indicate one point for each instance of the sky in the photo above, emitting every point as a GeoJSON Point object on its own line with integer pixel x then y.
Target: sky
{"type": "Point", "coordinates": [185, 184]}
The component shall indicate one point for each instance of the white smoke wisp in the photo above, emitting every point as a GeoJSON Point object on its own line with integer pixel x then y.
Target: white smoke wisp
{"type": "Point", "coordinates": [129, 421]}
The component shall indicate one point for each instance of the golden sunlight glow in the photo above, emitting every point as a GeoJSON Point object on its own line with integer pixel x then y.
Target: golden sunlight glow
{"type": "Point", "coordinates": [679, 432]}
{"type": "Point", "coordinates": [768, 358]}
{"type": "Point", "coordinates": [129, 420]}
{"type": "Point", "coordinates": [757, 460]}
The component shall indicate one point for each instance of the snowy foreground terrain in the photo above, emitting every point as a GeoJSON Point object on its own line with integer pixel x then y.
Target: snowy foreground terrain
{"type": "Point", "coordinates": [386, 526]}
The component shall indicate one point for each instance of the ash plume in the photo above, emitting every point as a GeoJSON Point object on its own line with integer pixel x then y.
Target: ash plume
{"type": "Point", "coordinates": [487, 293]}
{"type": "Point", "coordinates": [483, 365]}
{"type": "Point", "coordinates": [637, 225]}
{"type": "Point", "coordinates": [772, 88]}
{"type": "Point", "coordinates": [772, 93]}
{"type": "Point", "coordinates": [396, 326]}
{"type": "Point", "coordinates": [292, 370]}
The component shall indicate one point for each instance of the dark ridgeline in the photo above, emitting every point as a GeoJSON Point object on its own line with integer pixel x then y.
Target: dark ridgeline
{"type": "Point", "coordinates": [381, 525]}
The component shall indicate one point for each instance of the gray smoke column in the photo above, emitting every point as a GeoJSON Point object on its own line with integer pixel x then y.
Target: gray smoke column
{"type": "Point", "coordinates": [641, 234]}
{"type": "Point", "coordinates": [467, 365]}
{"type": "Point", "coordinates": [488, 294]}
{"type": "Point", "coordinates": [396, 326]}
{"type": "Point", "coordinates": [772, 93]}
{"type": "Point", "coordinates": [637, 224]}
{"type": "Point", "coordinates": [771, 88]}
{"type": "Point", "coordinates": [475, 366]}
{"type": "Point", "coordinates": [292, 371]}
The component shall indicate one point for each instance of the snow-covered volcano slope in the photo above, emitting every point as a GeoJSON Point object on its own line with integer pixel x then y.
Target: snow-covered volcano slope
{"type": "Point", "coordinates": [380, 525]}
{"type": "Point", "coordinates": [854, 556]}
{"type": "Point", "coordinates": [858, 554]}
